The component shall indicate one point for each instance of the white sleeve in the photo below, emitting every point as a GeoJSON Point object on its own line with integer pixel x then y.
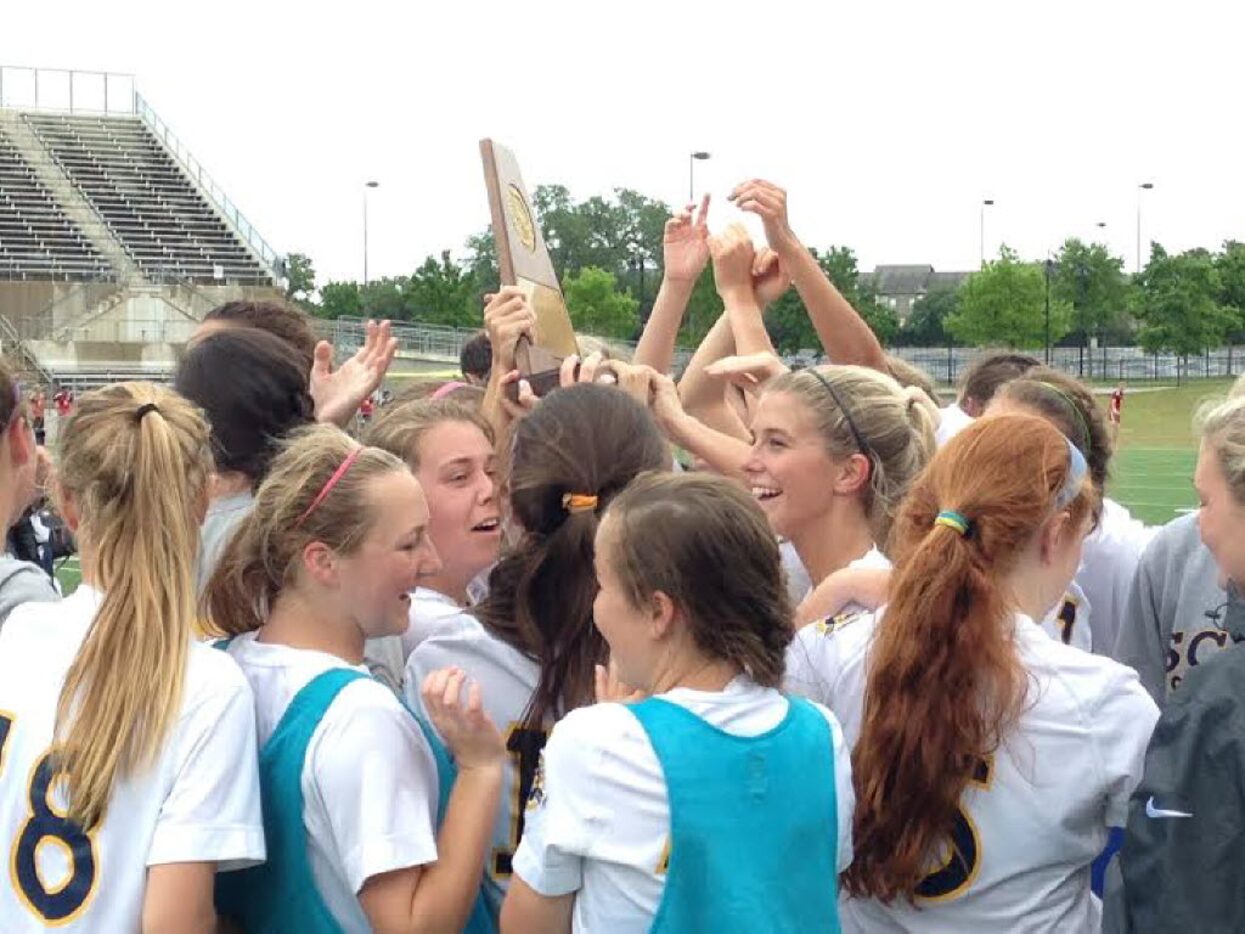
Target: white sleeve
{"type": "Point", "coordinates": [559, 823]}
{"type": "Point", "coordinates": [376, 783]}
{"type": "Point", "coordinates": [429, 656]}
{"type": "Point", "coordinates": [844, 793]}
{"type": "Point", "coordinates": [212, 811]}
{"type": "Point", "coordinates": [813, 663]}
{"type": "Point", "coordinates": [1121, 726]}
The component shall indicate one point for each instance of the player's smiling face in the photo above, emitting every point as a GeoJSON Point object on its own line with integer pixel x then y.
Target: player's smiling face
{"type": "Point", "coordinates": [394, 557]}
{"type": "Point", "coordinates": [457, 470]}
{"type": "Point", "coordinates": [1221, 516]}
{"type": "Point", "coordinates": [789, 470]}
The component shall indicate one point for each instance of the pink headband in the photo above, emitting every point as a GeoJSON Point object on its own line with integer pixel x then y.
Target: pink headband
{"type": "Point", "coordinates": [443, 391]}
{"type": "Point", "coordinates": [332, 482]}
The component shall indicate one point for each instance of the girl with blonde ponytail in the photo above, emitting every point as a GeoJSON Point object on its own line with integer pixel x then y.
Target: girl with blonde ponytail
{"type": "Point", "coordinates": [369, 825]}
{"type": "Point", "coordinates": [127, 750]}
{"type": "Point", "coordinates": [989, 760]}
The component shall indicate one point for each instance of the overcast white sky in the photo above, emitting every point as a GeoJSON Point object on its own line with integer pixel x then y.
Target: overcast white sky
{"type": "Point", "coordinates": [888, 122]}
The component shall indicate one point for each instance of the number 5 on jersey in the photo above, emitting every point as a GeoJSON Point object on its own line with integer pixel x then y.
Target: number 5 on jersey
{"type": "Point", "coordinates": [963, 860]}
{"type": "Point", "coordinates": [60, 900]}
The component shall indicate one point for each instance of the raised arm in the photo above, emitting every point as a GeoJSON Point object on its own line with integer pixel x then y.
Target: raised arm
{"type": "Point", "coordinates": [685, 251]}
{"type": "Point", "coordinates": [844, 335]}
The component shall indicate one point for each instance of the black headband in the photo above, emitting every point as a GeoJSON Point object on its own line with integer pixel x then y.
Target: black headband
{"type": "Point", "coordinates": [862, 445]}
{"type": "Point", "coordinates": [144, 409]}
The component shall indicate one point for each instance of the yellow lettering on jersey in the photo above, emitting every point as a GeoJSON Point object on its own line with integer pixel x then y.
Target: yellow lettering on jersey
{"type": "Point", "coordinates": [663, 864]}
{"type": "Point", "coordinates": [832, 624]}
{"type": "Point", "coordinates": [7, 720]}
{"type": "Point", "coordinates": [961, 859]}
{"type": "Point", "coordinates": [526, 747]}
{"type": "Point", "coordinates": [46, 821]}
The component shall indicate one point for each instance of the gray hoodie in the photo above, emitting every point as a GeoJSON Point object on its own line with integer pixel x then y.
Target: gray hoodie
{"type": "Point", "coordinates": [1175, 610]}
{"type": "Point", "coordinates": [22, 582]}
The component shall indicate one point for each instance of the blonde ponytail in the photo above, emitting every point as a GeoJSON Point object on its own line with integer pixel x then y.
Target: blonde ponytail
{"type": "Point", "coordinates": [135, 460]}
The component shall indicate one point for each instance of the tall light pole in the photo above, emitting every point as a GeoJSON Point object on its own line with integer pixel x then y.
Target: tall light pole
{"type": "Point", "coordinates": [367, 187]}
{"type": "Point", "coordinates": [1144, 186]}
{"type": "Point", "coordinates": [691, 174]}
{"type": "Point", "coordinates": [987, 203]}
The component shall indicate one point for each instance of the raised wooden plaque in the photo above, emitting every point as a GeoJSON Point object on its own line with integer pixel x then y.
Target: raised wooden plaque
{"type": "Point", "coordinates": [524, 261]}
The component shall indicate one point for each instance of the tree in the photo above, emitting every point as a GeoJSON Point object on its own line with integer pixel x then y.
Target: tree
{"type": "Point", "coordinates": [340, 299]}
{"type": "Point", "coordinates": [1004, 304]}
{"type": "Point", "coordinates": [926, 324]}
{"type": "Point", "coordinates": [441, 292]}
{"type": "Point", "coordinates": [1230, 265]}
{"type": "Point", "coordinates": [789, 325]}
{"type": "Point", "coordinates": [482, 263]}
{"type": "Point", "coordinates": [385, 299]}
{"type": "Point", "coordinates": [300, 278]}
{"type": "Point", "coordinates": [1178, 303]}
{"type": "Point", "coordinates": [1092, 282]}
{"type": "Point", "coordinates": [596, 307]}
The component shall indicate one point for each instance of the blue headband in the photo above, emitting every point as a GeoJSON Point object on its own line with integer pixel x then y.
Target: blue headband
{"type": "Point", "coordinates": [1077, 468]}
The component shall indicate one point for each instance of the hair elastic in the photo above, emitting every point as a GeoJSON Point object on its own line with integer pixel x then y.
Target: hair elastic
{"type": "Point", "coordinates": [446, 388]}
{"type": "Point", "coordinates": [953, 520]}
{"type": "Point", "coordinates": [144, 409]}
{"type": "Point", "coordinates": [328, 486]}
{"type": "Point", "coordinates": [579, 502]}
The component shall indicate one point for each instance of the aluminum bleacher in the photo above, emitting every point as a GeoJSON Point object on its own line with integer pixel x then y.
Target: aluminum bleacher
{"type": "Point", "coordinates": [37, 240]}
{"type": "Point", "coordinates": [147, 202]}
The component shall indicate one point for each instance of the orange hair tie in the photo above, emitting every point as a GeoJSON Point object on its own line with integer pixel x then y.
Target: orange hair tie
{"type": "Point", "coordinates": [579, 502]}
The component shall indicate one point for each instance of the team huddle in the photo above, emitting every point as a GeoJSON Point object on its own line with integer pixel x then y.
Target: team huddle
{"type": "Point", "coordinates": [755, 650]}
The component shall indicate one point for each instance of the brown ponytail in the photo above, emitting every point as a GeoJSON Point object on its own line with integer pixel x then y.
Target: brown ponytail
{"type": "Point", "coordinates": [945, 683]}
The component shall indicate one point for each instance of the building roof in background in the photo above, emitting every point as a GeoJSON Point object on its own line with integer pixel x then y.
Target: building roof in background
{"type": "Point", "coordinates": [911, 279]}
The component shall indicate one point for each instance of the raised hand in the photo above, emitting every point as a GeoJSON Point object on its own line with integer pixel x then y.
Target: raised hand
{"type": "Point", "coordinates": [471, 736]}
{"type": "Point", "coordinates": [685, 244]}
{"type": "Point", "coordinates": [338, 394]}
{"type": "Point", "coordinates": [749, 372]}
{"type": "Point", "coordinates": [733, 256]}
{"type": "Point", "coordinates": [507, 317]}
{"type": "Point", "coordinates": [769, 277]}
{"type": "Point", "coordinates": [665, 404]}
{"type": "Point", "coordinates": [769, 202]}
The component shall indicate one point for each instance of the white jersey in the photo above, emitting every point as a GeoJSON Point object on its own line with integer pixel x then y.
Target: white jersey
{"type": "Point", "coordinates": [599, 824]}
{"type": "Point", "coordinates": [369, 781]}
{"type": "Point", "coordinates": [1069, 620]}
{"type": "Point", "coordinates": [386, 656]}
{"type": "Point", "coordinates": [951, 421]}
{"type": "Point", "coordinates": [198, 803]}
{"type": "Point", "coordinates": [1108, 563]}
{"type": "Point", "coordinates": [507, 680]}
{"type": "Point", "coordinates": [1040, 808]}
{"type": "Point", "coordinates": [873, 559]}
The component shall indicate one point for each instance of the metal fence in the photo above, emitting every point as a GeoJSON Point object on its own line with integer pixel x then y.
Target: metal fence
{"type": "Point", "coordinates": [946, 364]}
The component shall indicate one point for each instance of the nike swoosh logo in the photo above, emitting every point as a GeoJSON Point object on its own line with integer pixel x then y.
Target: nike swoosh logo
{"type": "Point", "coordinates": [1153, 812]}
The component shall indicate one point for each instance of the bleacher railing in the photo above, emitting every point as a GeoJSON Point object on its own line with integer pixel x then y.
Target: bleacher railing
{"type": "Point", "coordinates": [215, 193]}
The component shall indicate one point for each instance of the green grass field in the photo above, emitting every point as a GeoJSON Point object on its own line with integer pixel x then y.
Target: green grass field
{"type": "Point", "coordinates": [1153, 469]}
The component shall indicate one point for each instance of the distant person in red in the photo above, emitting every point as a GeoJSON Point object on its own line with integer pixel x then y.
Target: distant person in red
{"type": "Point", "coordinates": [64, 402]}
{"type": "Point", "coordinates": [1116, 411]}
{"type": "Point", "coordinates": [366, 408]}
